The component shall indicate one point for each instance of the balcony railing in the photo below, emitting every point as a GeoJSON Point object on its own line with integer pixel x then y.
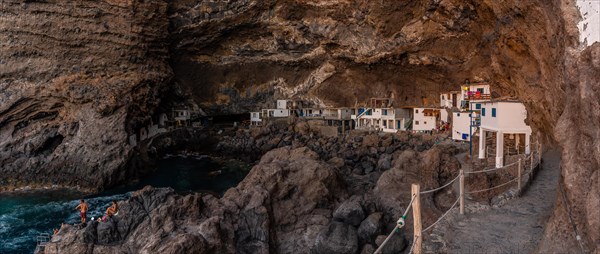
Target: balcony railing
{"type": "Point", "coordinates": [474, 96]}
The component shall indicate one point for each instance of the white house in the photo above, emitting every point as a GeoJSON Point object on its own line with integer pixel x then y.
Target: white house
{"type": "Point", "coordinates": [312, 112]}
{"type": "Point", "coordinates": [341, 117]}
{"type": "Point", "coordinates": [255, 118]}
{"type": "Point", "coordinates": [395, 119]}
{"type": "Point", "coordinates": [451, 99]}
{"type": "Point", "coordinates": [338, 113]}
{"type": "Point", "coordinates": [476, 92]}
{"type": "Point", "coordinates": [505, 118]}
{"type": "Point", "coordinates": [460, 126]}
{"type": "Point", "coordinates": [275, 113]}
{"type": "Point", "coordinates": [426, 119]}
{"type": "Point", "coordinates": [284, 104]}
{"type": "Point", "coordinates": [368, 118]}
{"type": "Point", "coordinates": [163, 120]}
{"type": "Point", "coordinates": [182, 114]}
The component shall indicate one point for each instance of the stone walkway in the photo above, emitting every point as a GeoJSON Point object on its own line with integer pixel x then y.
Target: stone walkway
{"type": "Point", "coordinates": [515, 227]}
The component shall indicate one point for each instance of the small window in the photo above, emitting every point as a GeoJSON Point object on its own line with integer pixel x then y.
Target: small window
{"type": "Point", "coordinates": [493, 112]}
{"type": "Point", "coordinates": [416, 122]}
{"type": "Point", "coordinates": [385, 112]}
{"type": "Point", "coordinates": [477, 106]}
{"type": "Point", "coordinates": [443, 97]}
{"type": "Point", "coordinates": [457, 114]}
{"type": "Point", "coordinates": [480, 90]}
{"type": "Point", "coordinates": [483, 112]}
{"type": "Point", "coordinates": [416, 111]}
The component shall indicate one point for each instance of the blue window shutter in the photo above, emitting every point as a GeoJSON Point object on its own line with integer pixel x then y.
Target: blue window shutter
{"type": "Point", "coordinates": [477, 106]}
{"type": "Point", "coordinates": [483, 112]}
{"type": "Point", "coordinates": [493, 112]}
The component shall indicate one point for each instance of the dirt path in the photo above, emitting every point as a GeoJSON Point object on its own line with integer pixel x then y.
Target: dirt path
{"type": "Point", "coordinates": [515, 227]}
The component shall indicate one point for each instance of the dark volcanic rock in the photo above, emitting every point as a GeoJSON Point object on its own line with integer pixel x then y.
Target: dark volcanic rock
{"type": "Point", "coordinates": [288, 194]}
{"type": "Point", "coordinates": [395, 245]}
{"type": "Point", "coordinates": [337, 238]}
{"type": "Point", "coordinates": [370, 227]}
{"type": "Point", "coordinates": [350, 211]}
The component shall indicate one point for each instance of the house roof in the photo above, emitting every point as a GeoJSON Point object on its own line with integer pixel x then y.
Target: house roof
{"type": "Point", "coordinates": [509, 100]}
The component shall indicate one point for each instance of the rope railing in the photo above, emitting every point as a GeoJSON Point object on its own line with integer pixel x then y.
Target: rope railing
{"type": "Point", "coordinates": [399, 224]}
{"type": "Point", "coordinates": [417, 239]}
{"type": "Point", "coordinates": [441, 217]}
{"type": "Point", "coordinates": [492, 169]}
{"type": "Point", "coordinates": [491, 188]}
{"type": "Point", "coordinates": [439, 188]}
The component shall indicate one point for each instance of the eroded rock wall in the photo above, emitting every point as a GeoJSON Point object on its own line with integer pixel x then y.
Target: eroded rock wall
{"type": "Point", "coordinates": [243, 54]}
{"type": "Point", "coordinates": [75, 79]}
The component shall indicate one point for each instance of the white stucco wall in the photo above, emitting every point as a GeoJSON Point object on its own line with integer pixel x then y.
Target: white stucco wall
{"type": "Point", "coordinates": [425, 123]}
{"type": "Point", "coordinates": [255, 117]}
{"type": "Point", "coordinates": [281, 104]}
{"type": "Point", "coordinates": [510, 117]}
{"type": "Point", "coordinates": [446, 99]}
{"type": "Point", "coordinates": [345, 113]}
{"type": "Point", "coordinates": [460, 126]}
{"type": "Point", "coordinates": [589, 26]}
{"type": "Point", "coordinates": [281, 113]}
{"type": "Point", "coordinates": [444, 115]}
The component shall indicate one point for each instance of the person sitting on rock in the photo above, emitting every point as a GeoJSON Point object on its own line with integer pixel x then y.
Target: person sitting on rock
{"type": "Point", "coordinates": [113, 209]}
{"type": "Point", "coordinates": [83, 207]}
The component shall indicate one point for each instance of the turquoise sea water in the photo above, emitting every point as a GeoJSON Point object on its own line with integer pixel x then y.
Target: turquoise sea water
{"type": "Point", "coordinates": [24, 215]}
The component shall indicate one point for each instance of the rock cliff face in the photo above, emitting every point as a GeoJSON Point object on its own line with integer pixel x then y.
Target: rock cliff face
{"type": "Point", "coordinates": [242, 54]}
{"type": "Point", "coordinates": [75, 77]}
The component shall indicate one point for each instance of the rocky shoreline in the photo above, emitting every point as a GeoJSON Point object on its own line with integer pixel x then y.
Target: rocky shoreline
{"type": "Point", "coordinates": [304, 195]}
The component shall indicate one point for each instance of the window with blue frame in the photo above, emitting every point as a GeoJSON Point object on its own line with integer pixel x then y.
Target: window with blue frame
{"type": "Point", "coordinates": [483, 112]}
{"type": "Point", "coordinates": [477, 106]}
{"type": "Point", "coordinates": [493, 112]}
{"type": "Point", "coordinates": [385, 112]}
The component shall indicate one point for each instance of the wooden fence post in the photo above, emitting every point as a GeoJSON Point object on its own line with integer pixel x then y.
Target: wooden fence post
{"type": "Point", "coordinates": [462, 192]}
{"type": "Point", "coordinates": [519, 175]}
{"type": "Point", "coordinates": [416, 208]}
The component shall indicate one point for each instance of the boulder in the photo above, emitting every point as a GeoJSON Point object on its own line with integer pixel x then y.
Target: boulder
{"type": "Point", "coordinates": [350, 212]}
{"type": "Point", "coordinates": [367, 166]}
{"type": "Point", "coordinates": [336, 162]}
{"type": "Point", "coordinates": [337, 238]}
{"type": "Point", "coordinates": [385, 162]}
{"type": "Point", "coordinates": [370, 140]}
{"type": "Point", "coordinates": [367, 249]}
{"type": "Point", "coordinates": [395, 245]}
{"type": "Point", "coordinates": [107, 232]}
{"type": "Point", "coordinates": [370, 228]}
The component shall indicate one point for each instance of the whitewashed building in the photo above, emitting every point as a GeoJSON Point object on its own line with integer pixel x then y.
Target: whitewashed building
{"type": "Point", "coordinates": [451, 99]}
{"type": "Point", "coordinates": [256, 118]}
{"type": "Point", "coordinates": [395, 119]}
{"type": "Point", "coordinates": [383, 119]}
{"type": "Point", "coordinates": [460, 126]}
{"type": "Point", "coordinates": [507, 120]}
{"type": "Point", "coordinates": [476, 92]}
{"type": "Point", "coordinates": [426, 119]}
{"type": "Point", "coordinates": [275, 113]}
